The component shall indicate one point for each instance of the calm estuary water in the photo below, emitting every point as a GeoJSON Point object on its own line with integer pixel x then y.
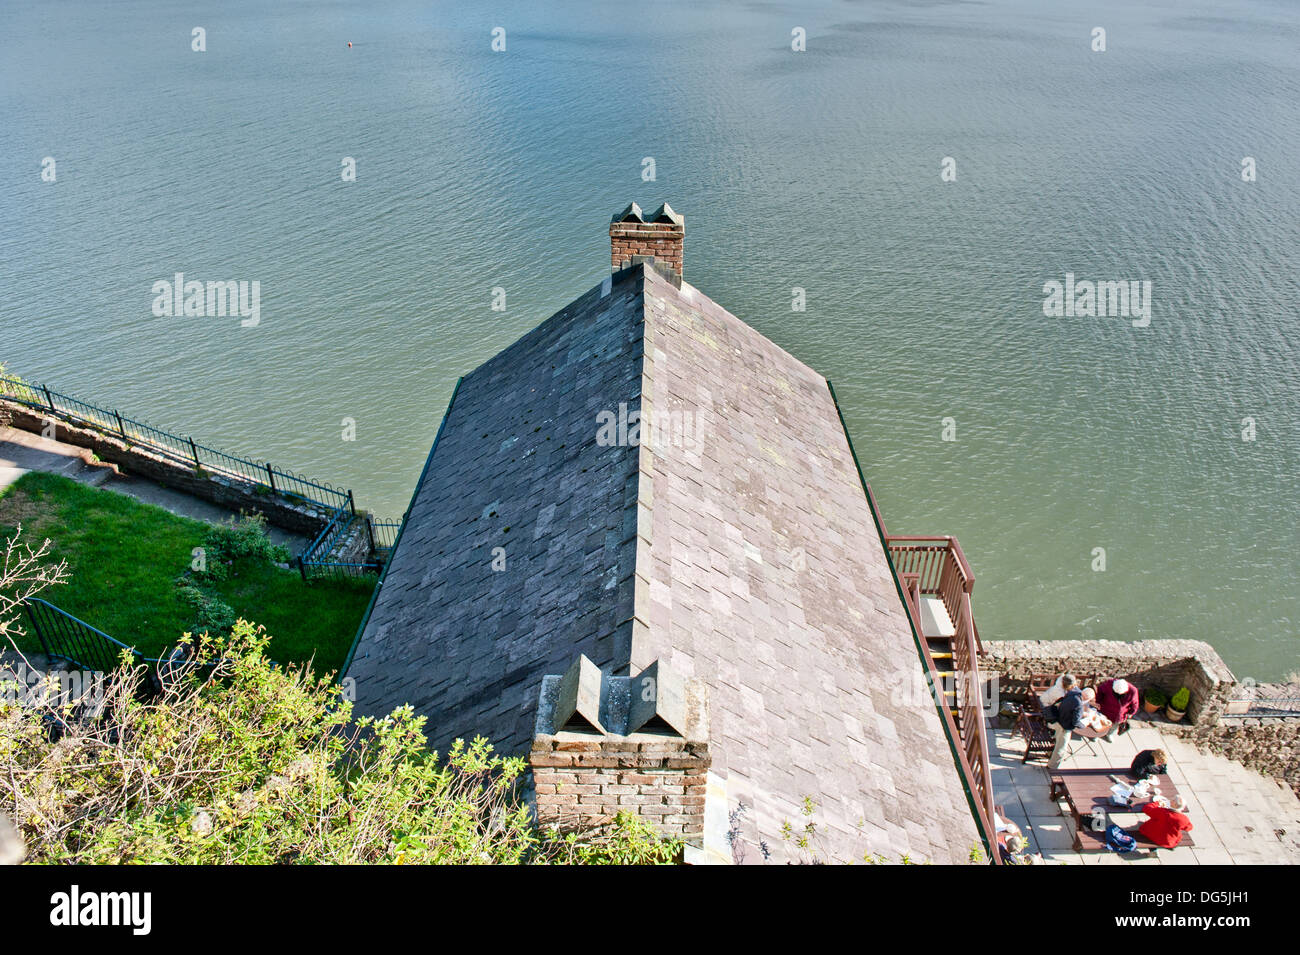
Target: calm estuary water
{"type": "Point", "coordinates": [821, 169]}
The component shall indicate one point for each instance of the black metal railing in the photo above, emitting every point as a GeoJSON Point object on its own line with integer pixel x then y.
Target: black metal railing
{"type": "Point", "coordinates": [314, 561]}
{"type": "Point", "coordinates": [381, 537]}
{"type": "Point", "coordinates": [63, 637]}
{"type": "Point", "coordinates": [183, 450]}
{"type": "Point", "coordinates": [338, 505]}
{"type": "Point", "coordinates": [1264, 700]}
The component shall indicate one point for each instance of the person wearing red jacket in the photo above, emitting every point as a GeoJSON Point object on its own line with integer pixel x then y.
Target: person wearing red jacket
{"type": "Point", "coordinates": [1165, 827]}
{"type": "Point", "coordinates": [1117, 700]}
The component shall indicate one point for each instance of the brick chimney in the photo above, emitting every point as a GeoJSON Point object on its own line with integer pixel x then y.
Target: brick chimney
{"type": "Point", "coordinates": [606, 743]}
{"type": "Point", "coordinates": [660, 236]}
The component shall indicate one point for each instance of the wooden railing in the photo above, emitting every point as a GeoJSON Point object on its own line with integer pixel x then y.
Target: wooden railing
{"type": "Point", "coordinates": [936, 567]}
{"type": "Point", "coordinates": [942, 570]}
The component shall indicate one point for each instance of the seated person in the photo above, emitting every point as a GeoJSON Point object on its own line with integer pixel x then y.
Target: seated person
{"type": "Point", "coordinates": [1011, 841]}
{"type": "Point", "coordinates": [1164, 826]}
{"type": "Point", "coordinates": [1149, 763]}
{"type": "Point", "coordinates": [1118, 701]}
{"type": "Point", "coordinates": [1001, 825]}
{"type": "Point", "coordinates": [1092, 722]}
{"type": "Point", "coordinates": [1054, 692]}
{"type": "Point", "coordinates": [1014, 849]}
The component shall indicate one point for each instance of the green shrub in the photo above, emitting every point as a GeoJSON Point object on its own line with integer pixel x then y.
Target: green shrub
{"type": "Point", "coordinates": [236, 541]}
{"type": "Point", "coordinates": [1155, 696]}
{"type": "Point", "coordinates": [211, 613]}
{"type": "Point", "coordinates": [239, 761]}
{"type": "Point", "coordinates": [1181, 699]}
{"type": "Point", "coordinates": [627, 840]}
{"type": "Point", "coordinates": [227, 547]}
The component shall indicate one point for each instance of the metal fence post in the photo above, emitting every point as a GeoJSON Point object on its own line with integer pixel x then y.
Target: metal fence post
{"type": "Point", "coordinates": [194, 451]}
{"type": "Point", "coordinates": [121, 430]}
{"type": "Point", "coordinates": [302, 569]}
{"type": "Point", "coordinates": [48, 398]}
{"type": "Point", "coordinates": [270, 474]}
{"type": "Point", "coordinates": [352, 503]}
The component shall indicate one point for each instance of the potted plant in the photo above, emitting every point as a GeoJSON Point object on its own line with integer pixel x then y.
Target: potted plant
{"type": "Point", "coordinates": [1177, 707]}
{"type": "Point", "coordinates": [1153, 699]}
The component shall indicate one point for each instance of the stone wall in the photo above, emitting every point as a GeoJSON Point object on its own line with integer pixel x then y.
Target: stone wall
{"type": "Point", "coordinates": [1167, 664]}
{"type": "Point", "coordinates": [1269, 745]}
{"type": "Point", "coordinates": [296, 517]}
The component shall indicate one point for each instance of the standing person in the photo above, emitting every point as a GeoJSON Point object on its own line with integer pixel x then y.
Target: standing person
{"type": "Point", "coordinates": [1063, 717]}
{"type": "Point", "coordinates": [1118, 701]}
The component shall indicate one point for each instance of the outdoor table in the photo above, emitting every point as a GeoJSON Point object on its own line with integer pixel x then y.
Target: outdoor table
{"type": "Point", "coordinates": [1085, 789]}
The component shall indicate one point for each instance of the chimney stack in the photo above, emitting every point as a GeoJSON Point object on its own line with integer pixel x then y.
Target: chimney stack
{"type": "Point", "coordinates": [606, 743]}
{"type": "Point", "coordinates": [660, 237]}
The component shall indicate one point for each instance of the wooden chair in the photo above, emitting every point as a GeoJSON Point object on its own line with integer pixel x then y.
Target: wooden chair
{"type": "Point", "coordinates": [1039, 683]}
{"type": "Point", "coordinates": [1040, 740]}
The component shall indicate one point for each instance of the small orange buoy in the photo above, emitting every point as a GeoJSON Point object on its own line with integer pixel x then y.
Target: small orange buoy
{"type": "Point", "coordinates": [349, 44]}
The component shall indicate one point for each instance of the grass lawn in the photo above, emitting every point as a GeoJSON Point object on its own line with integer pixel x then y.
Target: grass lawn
{"type": "Point", "coordinates": [124, 558]}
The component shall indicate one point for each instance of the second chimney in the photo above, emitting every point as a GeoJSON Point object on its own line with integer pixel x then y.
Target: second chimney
{"type": "Point", "coordinates": [634, 238]}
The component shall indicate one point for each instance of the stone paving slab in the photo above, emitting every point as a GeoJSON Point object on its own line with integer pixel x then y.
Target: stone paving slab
{"type": "Point", "coordinates": [1239, 816]}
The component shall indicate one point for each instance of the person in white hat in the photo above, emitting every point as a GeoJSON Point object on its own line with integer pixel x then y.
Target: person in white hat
{"type": "Point", "coordinates": [1118, 701]}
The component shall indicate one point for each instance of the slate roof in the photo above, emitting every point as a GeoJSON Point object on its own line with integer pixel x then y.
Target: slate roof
{"type": "Point", "coordinates": [739, 549]}
{"type": "Point", "coordinates": [517, 467]}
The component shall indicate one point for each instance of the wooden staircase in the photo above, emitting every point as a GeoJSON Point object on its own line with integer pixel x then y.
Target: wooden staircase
{"type": "Point", "coordinates": [937, 581]}
{"type": "Point", "coordinates": [938, 631]}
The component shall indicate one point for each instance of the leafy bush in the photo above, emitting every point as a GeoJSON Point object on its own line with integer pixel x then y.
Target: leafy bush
{"type": "Point", "coordinates": [1181, 699]}
{"type": "Point", "coordinates": [627, 840]}
{"type": "Point", "coordinates": [211, 613]}
{"type": "Point", "coordinates": [242, 539]}
{"type": "Point", "coordinates": [237, 542]}
{"type": "Point", "coordinates": [1155, 696]}
{"type": "Point", "coordinates": [237, 760]}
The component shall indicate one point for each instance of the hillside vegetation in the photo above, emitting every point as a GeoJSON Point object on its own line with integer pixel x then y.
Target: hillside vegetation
{"type": "Point", "coordinates": [124, 559]}
{"type": "Point", "coordinates": [240, 761]}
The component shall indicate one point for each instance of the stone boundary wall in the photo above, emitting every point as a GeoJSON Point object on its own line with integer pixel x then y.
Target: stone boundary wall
{"type": "Point", "coordinates": [583, 780]}
{"type": "Point", "coordinates": [298, 518]}
{"type": "Point", "coordinates": [1167, 664]}
{"type": "Point", "coordinates": [1269, 745]}
{"type": "Point", "coordinates": [354, 548]}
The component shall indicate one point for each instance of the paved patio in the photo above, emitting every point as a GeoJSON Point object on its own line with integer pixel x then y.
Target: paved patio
{"type": "Point", "coordinates": [1239, 817]}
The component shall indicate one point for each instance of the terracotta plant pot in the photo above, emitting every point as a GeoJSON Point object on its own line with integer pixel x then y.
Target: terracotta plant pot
{"type": "Point", "coordinates": [1149, 707]}
{"type": "Point", "coordinates": [1175, 716]}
